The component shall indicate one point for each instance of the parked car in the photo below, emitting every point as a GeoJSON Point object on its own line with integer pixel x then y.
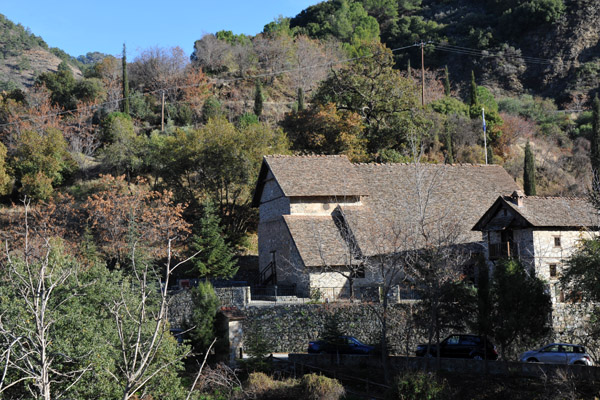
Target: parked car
{"type": "Point", "coordinates": [559, 353]}
{"type": "Point", "coordinates": [461, 346]}
{"type": "Point", "coordinates": [344, 345]}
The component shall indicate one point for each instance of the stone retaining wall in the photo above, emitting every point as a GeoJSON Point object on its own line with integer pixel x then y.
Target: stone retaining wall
{"type": "Point", "coordinates": [289, 328]}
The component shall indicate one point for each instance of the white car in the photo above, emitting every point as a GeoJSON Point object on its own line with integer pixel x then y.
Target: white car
{"type": "Point", "coordinates": [559, 353]}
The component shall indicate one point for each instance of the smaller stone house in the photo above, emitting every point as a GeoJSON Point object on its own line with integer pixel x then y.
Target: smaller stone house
{"type": "Point", "coordinates": [542, 232]}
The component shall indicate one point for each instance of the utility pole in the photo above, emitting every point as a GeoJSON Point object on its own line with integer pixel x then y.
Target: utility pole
{"type": "Point", "coordinates": [422, 75]}
{"type": "Point", "coordinates": [162, 113]}
{"type": "Point", "coordinates": [484, 135]}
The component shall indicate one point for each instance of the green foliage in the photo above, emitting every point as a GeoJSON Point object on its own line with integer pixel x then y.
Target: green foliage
{"type": "Point", "coordinates": [319, 387]}
{"type": "Point", "coordinates": [331, 328]}
{"type": "Point", "coordinates": [345, 20]}
{"type": "Point", "coordinates": [473, 100]}
{"type": "Point", "coordinates": [79, 327]}
{"type": "Point", "coordinates": [385, 100]}
{"type": "Point", "coordinates": [211, 109]}
{"type": "Point", "coordinates": [258, 349]}
{"type": "Point", "coordinates": [325, 130]}
{"type": "Point", "coordinates": [529, 171]}
{"type": "Point", "coordinates": [280, 26]}
{"type": "Point", "coordinates": [300, 99]}
{"type": "Point", "coordinates": [449, 106]}
{"type": "Point", "coordinates": [216, 257]}
{"type": "Point", "coordinates": [233, 39]}
{"type": "Point", "coordinates": [15, 39]}
{"type": "Point", "coordinates": [532, 12]}
{"type": "Point", "coordinates": [418, 386]}
{"type": "Point", "coordinates": [521, 305]}
{"type": "Point", "coordinates": [220, 161]}
{"type": "Point", "coordinates": [124, 151]}
{"type": "Point", "coordinates": [40, 163]}
{"type": "Point", "coordinates": [202, 322]}
{"type": "Point", "coordinates": [247, 119]}
{"type": "Point", "coordinates": [60, 84]}
{"type": "Point", "coordinates": [446, 81]}
{"type": "Point", "coordinates": [5, 179]}
{"type": "Point", "coordinates": [581, 275]}
{"type": "Point", "coordinates": [258, 99]}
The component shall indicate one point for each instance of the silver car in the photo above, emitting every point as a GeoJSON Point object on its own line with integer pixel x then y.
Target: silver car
{"type": "Point", "coordinates": [558, 353]}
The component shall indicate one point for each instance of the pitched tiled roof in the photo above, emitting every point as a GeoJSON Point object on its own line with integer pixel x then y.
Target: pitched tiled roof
{"type": "Point", "coordinates": [318, 240]}
{"type": "Point", "coordinates": [441, 199]}
{"type": "Point", "coordinates": [546, 212]}
{"type": "Point", "coordinates": [316, 175]}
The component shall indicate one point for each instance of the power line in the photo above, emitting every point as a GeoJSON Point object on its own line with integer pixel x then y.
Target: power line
{"type": "Point", "coordinates": [487, 54]}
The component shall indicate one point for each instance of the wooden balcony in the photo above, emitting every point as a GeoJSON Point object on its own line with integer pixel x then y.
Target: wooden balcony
{"type": "Point", "coordinates": [503, 250]}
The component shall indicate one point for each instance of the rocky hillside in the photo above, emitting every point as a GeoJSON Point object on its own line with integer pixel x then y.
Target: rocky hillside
{"type": "Point", "coordinates": [23, 56]}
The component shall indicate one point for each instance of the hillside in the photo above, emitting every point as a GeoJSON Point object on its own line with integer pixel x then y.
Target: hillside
{"type": "Point", "coordinates": [548, 48]}
{"type": "Point", "coordinates": [23, 56]}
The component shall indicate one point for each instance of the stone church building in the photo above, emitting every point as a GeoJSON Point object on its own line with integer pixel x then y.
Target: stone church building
{"type": "Point", "coordinates": [320, 215]}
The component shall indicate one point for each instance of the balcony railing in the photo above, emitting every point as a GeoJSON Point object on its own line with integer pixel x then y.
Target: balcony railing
{"type": "Point", "coordinates": [503, 250]}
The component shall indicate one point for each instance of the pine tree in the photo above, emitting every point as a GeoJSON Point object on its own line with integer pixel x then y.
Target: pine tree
{"type": "Point", "coordinates": [529, 171]}
{"type": "Point", "coordinates": [258, 100]}
{"type": "Point", "coordinates": [125, 82]}
{"type": "Point", "coordinates": [300, 99]}
{"type": "Point", "coordinates": [216, 257]}
{"type": "Point", "coordinates": [595, 143]}
{"type": "Point", "coordinates": [206, 304]}
{"type": "Point", "coordinates": [473, 100]}
{"type": "Point", "coordinates": [446, 81]}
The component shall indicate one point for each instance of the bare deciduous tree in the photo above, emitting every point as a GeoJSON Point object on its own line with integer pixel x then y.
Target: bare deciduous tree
{"type": "Point", "coordinates": [35, 277]}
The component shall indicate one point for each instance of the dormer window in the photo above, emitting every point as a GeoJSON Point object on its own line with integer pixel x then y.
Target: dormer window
{"type": "Point", "coordinates": [557, 241]}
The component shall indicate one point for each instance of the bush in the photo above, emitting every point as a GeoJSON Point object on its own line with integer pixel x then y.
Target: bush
{"type": "Point", "coordinates": [318, 387]}
{"type": "Point", "coordinates": [417, 386]}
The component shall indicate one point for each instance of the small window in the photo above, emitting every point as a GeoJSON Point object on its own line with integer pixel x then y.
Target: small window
{"type": "Point", "coordinates": [552, 270]}
{"type": "Point", "coordinates": [556, 241]}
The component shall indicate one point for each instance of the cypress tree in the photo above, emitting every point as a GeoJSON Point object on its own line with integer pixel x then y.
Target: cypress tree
{"type": "Point", "coordinates": [529, 171]}
{"type": "Point", "coordinates": [446, 81]}
{"type": "Point", "coordinates": [473, 91]}
{"type": "Point", "coordinates": [595, 143]}
{"type": "Point", "coordinates": [258, 100]}
{"type": "Point", "coordinates": [125, 82]}
{"type": "Point", "coordinates": [448, 143]}
{"type": "Point", "coordinates": [490, 153]}
{"type": "Point", "coordinates": [300, 99]}
{"type": "Point", "coordinates": [408, 70]}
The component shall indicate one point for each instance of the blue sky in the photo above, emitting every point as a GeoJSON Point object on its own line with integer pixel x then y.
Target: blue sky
{"type": "Point", "coordinates": [81, 26]}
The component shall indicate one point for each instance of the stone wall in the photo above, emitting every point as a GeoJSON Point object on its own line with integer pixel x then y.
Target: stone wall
{"type": "Point", "coordinates": [290, 327]}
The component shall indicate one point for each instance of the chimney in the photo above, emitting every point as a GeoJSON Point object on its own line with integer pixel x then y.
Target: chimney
{"type": "Point", "coordinates": [517, 197]}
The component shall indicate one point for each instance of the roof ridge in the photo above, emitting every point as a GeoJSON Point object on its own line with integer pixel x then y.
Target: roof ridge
{"type": "Point", "coordinates": [305, 156]}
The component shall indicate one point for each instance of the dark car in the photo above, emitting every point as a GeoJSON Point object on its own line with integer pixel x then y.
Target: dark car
{"type": "Point", "coordinates": [343, 345]}
{"type": "Point", "coordinates": [461, 346]}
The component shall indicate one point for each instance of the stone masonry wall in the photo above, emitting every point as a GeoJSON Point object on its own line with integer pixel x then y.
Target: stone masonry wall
{"type": "Point", "coordinates": [290, 327]}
